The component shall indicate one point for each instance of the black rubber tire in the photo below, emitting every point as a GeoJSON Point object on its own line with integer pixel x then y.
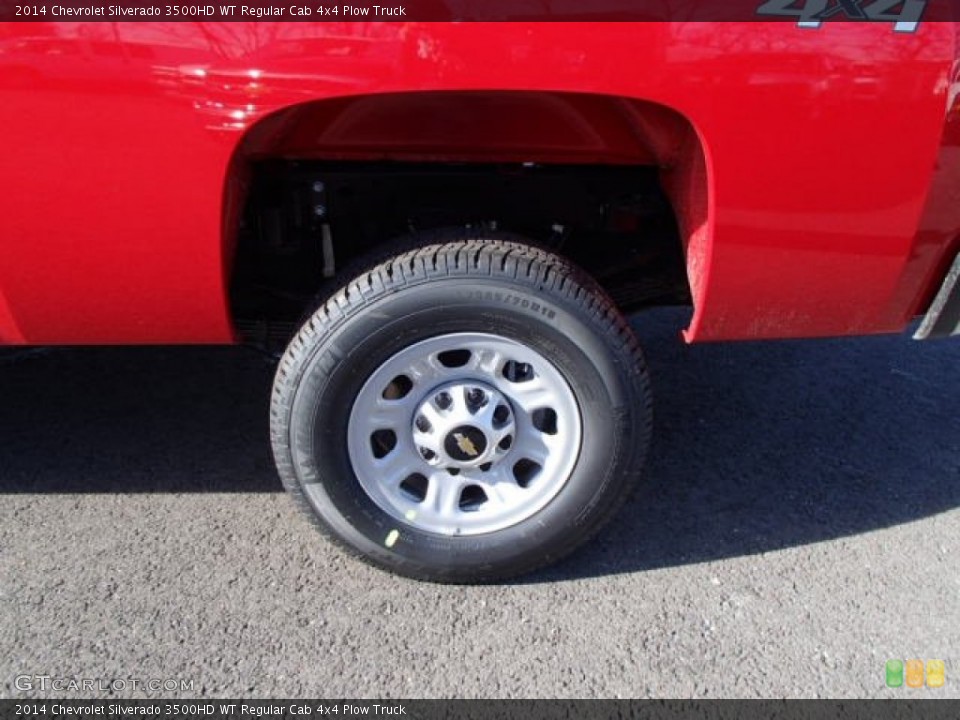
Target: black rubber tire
{"type": "Point", "coordinates": [457, 283]}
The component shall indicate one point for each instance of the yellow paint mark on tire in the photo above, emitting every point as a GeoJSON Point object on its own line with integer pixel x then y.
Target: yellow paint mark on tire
{"type": "Point", "coordinates": [392, 538]}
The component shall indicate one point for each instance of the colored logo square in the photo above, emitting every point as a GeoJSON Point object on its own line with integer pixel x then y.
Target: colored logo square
{"type": "Point", "coordinates": [936, 673]}
{"type": "Point", "coordinates": [914, 673]}
{"type": "Point", "coordinates": [894, 673]}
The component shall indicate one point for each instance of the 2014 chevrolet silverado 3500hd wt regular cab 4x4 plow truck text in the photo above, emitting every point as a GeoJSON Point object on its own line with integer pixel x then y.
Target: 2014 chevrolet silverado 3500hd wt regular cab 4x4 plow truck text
{"type": "Point", "coordinates": [441, 226]}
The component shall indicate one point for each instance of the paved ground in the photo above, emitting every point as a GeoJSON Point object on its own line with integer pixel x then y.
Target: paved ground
{"type": "Point", "coordinates": [800, 526]}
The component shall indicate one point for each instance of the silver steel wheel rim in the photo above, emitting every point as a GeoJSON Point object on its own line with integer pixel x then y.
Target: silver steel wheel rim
{"type": "Point", "coordinates": [464, 434]}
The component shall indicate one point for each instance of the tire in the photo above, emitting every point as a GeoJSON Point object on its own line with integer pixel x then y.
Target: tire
{"type": "Point", "coordinates": [464, 412]}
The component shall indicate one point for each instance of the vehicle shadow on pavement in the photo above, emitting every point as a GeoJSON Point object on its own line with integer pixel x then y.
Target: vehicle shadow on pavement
{"type": "Point", "coordinates": [757, 446]}
{"type": "Point", "coordinates": [135, 420]}
{"type": "Point", "coordinates": [768, 445]}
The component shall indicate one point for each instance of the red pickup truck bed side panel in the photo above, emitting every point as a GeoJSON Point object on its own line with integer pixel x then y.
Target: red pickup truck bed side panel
{"type": "Point", "coordinates": [827, 160]}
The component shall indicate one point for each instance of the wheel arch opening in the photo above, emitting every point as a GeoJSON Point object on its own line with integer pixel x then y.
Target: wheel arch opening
{"type": "Point", "coordinates": [627, 180]}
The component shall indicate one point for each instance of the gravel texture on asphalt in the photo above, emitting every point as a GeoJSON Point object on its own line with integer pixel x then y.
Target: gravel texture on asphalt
{"type": "Point", "coordinates": [799, 526]}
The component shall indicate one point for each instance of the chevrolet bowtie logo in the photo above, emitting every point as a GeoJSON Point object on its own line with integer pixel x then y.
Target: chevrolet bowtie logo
{"type": "Point", "coordinates": [466, 445]}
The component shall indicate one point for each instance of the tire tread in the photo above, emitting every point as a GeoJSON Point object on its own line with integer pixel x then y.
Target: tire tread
{"type": "Point", "coordinates": [447, 253]}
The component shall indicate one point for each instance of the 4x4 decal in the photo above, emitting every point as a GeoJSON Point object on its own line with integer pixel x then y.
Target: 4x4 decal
{"type": "Point", "coordinates": [904, 14]}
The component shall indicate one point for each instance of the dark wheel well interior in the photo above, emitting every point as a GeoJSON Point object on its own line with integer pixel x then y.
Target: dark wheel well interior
{"type": "Point", "coordinates": [304, 205]}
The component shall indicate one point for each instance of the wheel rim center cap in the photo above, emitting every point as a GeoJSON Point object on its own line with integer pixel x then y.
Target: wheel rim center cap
{"type": "Point", "coordinates": [466, 444]}
{"type": "Point", "coordinates": [464, 425]}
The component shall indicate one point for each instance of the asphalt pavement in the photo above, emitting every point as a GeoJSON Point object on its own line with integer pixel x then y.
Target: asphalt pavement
{"type": "Point", "coordinates": [799, 527]}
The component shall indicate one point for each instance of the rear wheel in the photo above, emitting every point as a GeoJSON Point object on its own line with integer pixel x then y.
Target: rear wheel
{"type": "Point", "coordinates": [463, 412]}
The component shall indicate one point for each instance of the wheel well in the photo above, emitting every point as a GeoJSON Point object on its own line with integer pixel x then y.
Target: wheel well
{"type": "Point", "coordinates": [617, 185]}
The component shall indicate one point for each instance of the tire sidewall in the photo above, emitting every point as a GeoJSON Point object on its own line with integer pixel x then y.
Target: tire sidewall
{"type": "Point", "coordinates": [333, 372]}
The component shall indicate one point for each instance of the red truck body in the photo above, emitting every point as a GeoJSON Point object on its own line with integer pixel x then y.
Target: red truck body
{"type": "Point", "coordinates": [814, 173]}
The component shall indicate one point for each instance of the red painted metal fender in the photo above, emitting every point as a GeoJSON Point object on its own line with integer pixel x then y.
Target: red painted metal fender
{"type": "Point", "coordinates": [821, 199]}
